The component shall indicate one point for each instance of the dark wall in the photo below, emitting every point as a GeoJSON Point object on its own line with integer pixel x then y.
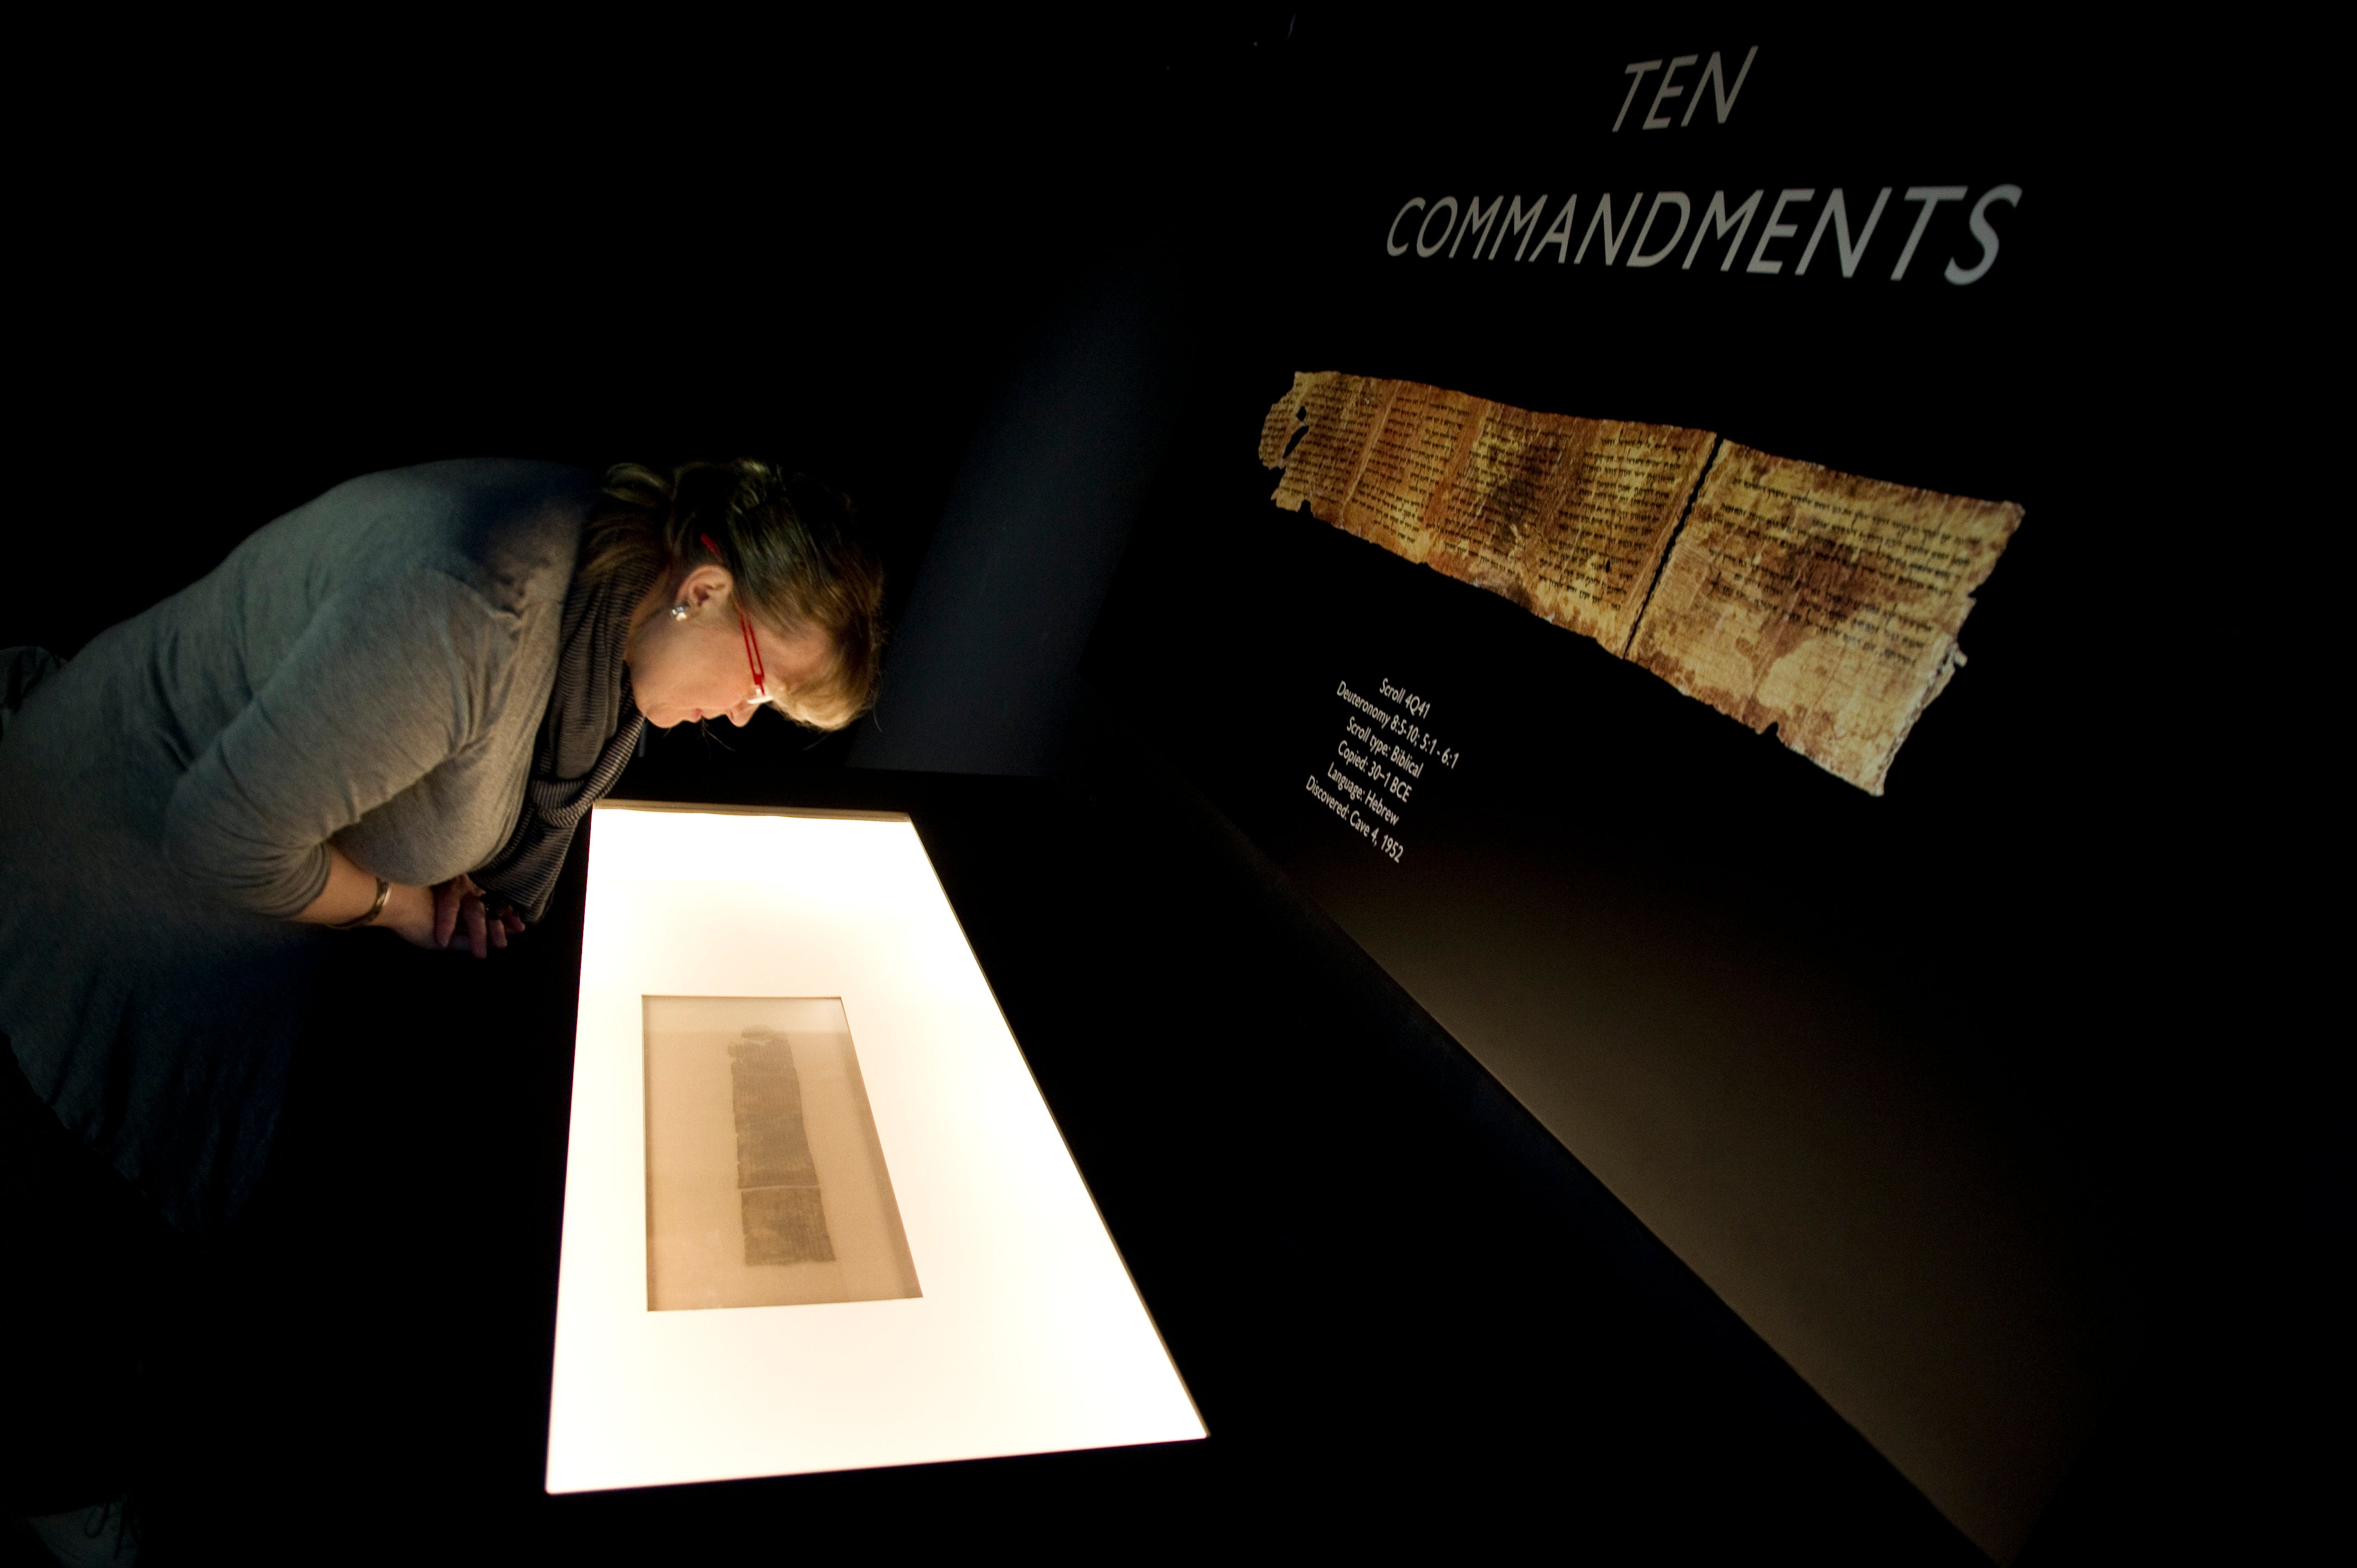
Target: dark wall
{"type": "Point", "coordinates": [986, 661]}
{"type": "Point", "coordinates": [1877, 1068]}
{"type": "Point", "coordinates": [248, 275]}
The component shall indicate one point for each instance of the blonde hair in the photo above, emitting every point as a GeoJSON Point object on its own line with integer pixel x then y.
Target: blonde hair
{"type": "Point", "coordinates": [792, 546]}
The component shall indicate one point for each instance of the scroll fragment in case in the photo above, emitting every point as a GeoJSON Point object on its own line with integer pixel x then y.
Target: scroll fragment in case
{"type": "Point", "coordinates": [817, 1214]}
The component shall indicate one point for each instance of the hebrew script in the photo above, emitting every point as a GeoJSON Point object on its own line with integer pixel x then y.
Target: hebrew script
{"type": "Point", "coordinates": [1566, 517]}
{"type": "Point", "coordinates": [1781, 593]}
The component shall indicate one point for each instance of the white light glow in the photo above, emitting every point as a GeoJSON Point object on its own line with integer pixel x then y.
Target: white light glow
{"type": "Point", "coordinates": [1028, 1335]}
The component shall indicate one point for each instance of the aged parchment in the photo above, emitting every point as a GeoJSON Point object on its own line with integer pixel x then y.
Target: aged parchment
{"type": "Point", "coordinates": [780, 1202]}
{"type": "Point", "coordinates": [766, 1184]}
{"type": "Point", "coordinates": [1822, 603]}
{"type": "Point", "coordinates": [1566, 517]}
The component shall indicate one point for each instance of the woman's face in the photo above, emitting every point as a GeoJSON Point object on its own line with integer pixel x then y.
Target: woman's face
{"type": "Point", "coordinates": [694, 667]}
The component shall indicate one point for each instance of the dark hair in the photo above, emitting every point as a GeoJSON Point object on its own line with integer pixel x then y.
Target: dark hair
{"type": "Point", "coordinates": [793, 547]}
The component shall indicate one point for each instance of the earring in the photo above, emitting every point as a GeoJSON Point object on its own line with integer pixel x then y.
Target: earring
{"type": "Point", "coordinates": [679, 612]}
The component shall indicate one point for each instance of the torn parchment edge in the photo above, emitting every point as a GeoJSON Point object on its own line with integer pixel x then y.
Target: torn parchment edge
{"type": "Point", "coordinates": [1287, 422]}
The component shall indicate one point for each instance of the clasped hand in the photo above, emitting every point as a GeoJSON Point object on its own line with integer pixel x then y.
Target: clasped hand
{"type": "Point", "coordinates": [464, 916]}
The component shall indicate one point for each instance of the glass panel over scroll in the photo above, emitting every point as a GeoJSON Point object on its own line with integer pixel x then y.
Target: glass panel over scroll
{"type": "Point", "coordinates": [766, 1185]}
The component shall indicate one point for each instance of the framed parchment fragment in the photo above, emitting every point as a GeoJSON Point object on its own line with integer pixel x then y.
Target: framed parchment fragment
{"type": "Point", "coordinates": [817, 1214]}
{"type": "Point", "coordinates": [765, 1184]}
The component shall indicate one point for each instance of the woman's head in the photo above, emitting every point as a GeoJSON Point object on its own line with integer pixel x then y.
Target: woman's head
{"type": "Point", "coordinates": [726, 538]}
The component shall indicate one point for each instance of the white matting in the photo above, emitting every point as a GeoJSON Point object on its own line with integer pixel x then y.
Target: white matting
{"type": "Point", "coordinates": [1028, 1335]}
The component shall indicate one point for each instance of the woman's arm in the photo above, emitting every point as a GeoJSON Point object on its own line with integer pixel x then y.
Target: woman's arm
{"type": "Point", "coordinates": [381, 688]}
{"type": "Point", "coordinates": [425, 917]}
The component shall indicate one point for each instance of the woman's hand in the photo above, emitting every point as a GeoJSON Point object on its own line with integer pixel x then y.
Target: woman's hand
{"type": "Point", "coordinates": [463, 913]}
{"type": "Point", "coordinates": [454, 913]}
{"type": "Point", "coordinates": [450, 914]}
{"type": "Point", "coordinates": [409, 911]}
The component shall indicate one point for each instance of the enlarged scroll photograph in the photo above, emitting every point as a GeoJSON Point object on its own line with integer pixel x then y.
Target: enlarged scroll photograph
{"type": "Point", "coordinates": [766, 1183]}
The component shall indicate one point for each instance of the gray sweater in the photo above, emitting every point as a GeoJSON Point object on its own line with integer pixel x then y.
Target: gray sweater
{"type": "Point", "coordinates": [369, 670]}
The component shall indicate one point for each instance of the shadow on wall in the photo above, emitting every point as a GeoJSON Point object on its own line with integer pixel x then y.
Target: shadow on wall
{"type": "Point", "coordinates": [983, 673]}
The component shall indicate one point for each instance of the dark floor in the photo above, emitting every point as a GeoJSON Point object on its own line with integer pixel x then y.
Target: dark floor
{"type": "Point", "coordinates": [1404, 1312]}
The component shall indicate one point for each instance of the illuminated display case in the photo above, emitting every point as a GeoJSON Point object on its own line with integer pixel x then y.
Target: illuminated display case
{"type": "Point", "coordinates": [817, 1214]}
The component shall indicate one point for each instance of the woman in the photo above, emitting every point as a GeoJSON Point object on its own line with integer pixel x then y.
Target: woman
{"type": "Point", "coordinates": [390, 707]}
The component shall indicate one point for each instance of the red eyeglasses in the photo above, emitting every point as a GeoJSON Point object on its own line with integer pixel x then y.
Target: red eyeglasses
{"type": "Point", "coordinates": [752, 646]}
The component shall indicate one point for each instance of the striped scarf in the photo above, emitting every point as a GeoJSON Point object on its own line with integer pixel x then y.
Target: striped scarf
{"type": "Point", "coordinates": [587, 737]}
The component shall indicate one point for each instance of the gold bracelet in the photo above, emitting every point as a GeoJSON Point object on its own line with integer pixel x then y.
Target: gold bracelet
{"type": "Point", "coordinates": [383, 892]}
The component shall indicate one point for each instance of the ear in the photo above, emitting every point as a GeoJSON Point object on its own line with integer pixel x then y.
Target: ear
{"type": "Point", "coordinates": [703, 585]}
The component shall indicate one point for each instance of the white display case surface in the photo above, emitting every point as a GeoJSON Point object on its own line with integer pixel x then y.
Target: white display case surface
{"type": "Point", "coordinates": [1024, 1333]}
